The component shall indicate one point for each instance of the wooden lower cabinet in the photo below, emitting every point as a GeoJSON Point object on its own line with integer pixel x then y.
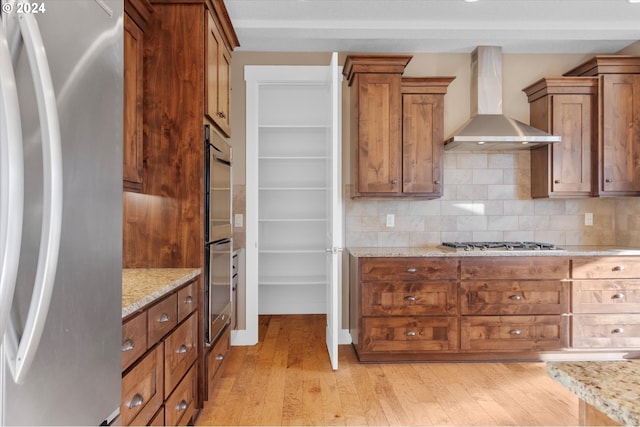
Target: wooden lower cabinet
{"type": "Point", "coordinates": [605, 331]}
{"type": "Point", "coordinates": [216, 358]}
{"type": "Point", "coordinates": [160, 386]}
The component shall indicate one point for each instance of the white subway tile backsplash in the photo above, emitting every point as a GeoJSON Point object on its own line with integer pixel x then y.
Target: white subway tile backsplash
{"type": "Point", "coordinates": [487, 197]}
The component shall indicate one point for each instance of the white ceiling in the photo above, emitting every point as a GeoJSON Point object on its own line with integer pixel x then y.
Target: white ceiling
{"type": "Point", "coordinates": [439, 26]}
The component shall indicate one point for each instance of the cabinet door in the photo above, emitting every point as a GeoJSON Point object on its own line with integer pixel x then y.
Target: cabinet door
{"type": "Point", "coordinates": [571, 159]}
{"type": "Point", "coordinates": [218, 77]}
{"type": "Point", "coordinates": [620, 134]}
{"type": "Point", "coordinates": [422, 145]}
{"type": "Point", "coordinates": [132, 105]}
{"type": "Point", "coordinates": [378, 126]}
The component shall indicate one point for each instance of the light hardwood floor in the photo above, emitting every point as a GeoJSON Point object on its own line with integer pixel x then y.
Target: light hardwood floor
{"type": "Point", "coordinates": [286, 379]}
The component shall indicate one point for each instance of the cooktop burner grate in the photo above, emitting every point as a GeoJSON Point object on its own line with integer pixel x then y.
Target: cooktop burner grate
{"type": "Point", "coordinates": [498, 246]}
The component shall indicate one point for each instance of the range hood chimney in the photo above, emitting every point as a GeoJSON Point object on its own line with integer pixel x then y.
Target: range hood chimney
{"type": "Point", "coordinates": [488, 128]}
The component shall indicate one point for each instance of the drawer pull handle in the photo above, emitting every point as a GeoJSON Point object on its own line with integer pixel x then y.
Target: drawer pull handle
{"type": "Point", "coordinates": [136, 401]}
{"type": "Point", "coordinates": [188, 300]}
{"type": "Point", "coordinates": [618, 296]}
{"type": "Point", "coordinates": [182, 350]}
{"type": "Point", "coordinates": [618, 268]}
{"type": "Point", "coordinates": [410, 298]}
{"type": "Point", "coordinates": [411, 270]}
{"type": "Point", "coordinates": [220, 357]}
{"type": "Point", "coordinates": [515, 332]}
{"type": "Point", "coordinates": [394, 181]}
{"type": "Point", "coordinates": [182, 405]}
{"type": "Point", "coordinates": [411, 333]}
{"type": "Point", "coordinates": [617, 331]}
{"type": "Point", "coordinates": [515, 297]}
{"type": "Point", "coordinates": [128, 345]}
{"type": "Point", "coordinates": [164, 318]}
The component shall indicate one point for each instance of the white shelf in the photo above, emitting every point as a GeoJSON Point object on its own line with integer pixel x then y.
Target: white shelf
{"type": "Point", "coordinates": [292, 251]}
{"type": "Point", "coordinates": [292, 188]}
{"type": "Point", "coordinates": [296, 126]}
{"type": "Point", "coordinates": [293, 158]}
{"type": "Point", "coordinates": [287, 220]}
{"type": "Point", "coordinates": [293, 280]}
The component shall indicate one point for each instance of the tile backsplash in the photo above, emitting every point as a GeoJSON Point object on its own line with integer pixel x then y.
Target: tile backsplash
{"type": "Point", "coordinates": [487, 197]}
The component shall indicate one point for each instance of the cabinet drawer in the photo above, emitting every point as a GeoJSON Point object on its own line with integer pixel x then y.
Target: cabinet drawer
{"type": "Point", "coordinates": [513, 333]}
{"type": "Point", "coordinates": [163, 317]}
{"type": "Point", "coordinates": [142, 389]}
{"type": "Point", "coordinates": [187, 300]}
{"type": "Point", "coordinates": [606, 268]}
{"type": "Point", "coordinates": [522, 297]}
{"type": "Point", "coordinates": [180, 406]}
{"type": "Point", "coordinates": [606, 330]}
{"type": "Point", "coordinates": [408, 269]}
{"type": "Point", "coordinates": [134, 339]}
{"type": "Point", "coordinates": [530, 267]}
{"type": "Point", "coordinates": [158, 418]}
{"type": "Point", "coordinates": [216, 357]}
{"type": "Point", "coordinates": [409, 334]}
{"type": "Point", "coordinates": [606, 296]}
{"type": "Point", "coordinates": [409, 298]}
{"type": "Point", "coordinates": [181, 349]}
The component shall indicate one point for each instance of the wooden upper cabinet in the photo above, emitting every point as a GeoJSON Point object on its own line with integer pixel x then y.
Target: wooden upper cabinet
{"type": "Point", "coordinates": [137, 13]}
{"type": "Point", "coordinates": [618, 131]}
{"type": "Point", "coordinates": [396, 128]}
{"type": "Point", "coordinates": [565, 107]}
{"type": "Point", "coordinates": [218, 77]}
{"type": "Point", "coordinates": [423, 135]}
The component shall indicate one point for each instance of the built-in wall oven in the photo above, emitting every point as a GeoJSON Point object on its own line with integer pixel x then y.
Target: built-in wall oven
{"type": "Point", "coordinates": [218, 233]}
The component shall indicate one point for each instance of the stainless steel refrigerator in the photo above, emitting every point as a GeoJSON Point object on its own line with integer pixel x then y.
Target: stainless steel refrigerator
{"type": "Point", "coordinates": [61, 77]}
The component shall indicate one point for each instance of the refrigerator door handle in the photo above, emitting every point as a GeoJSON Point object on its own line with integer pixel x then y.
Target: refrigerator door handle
{"type": "Point", "coordinates": [20, 353]}
{"type": "Point", "coordinates": [11, 180]}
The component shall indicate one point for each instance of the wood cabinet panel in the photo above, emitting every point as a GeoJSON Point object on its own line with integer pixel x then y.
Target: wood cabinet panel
{"type": "Point", "coordinates": [181, 350]}
{"type": "Point", "coordinates": [409, 334]}
{"type": "Point", "coordinates": [134, 339]}
{"type": "Point", "coordinates": [513, 333]}
{"type": "Point", "coordinates": [408, 269]}
{"type": "Point", "coordinates": [531, 267]}
{"type": "Point", "coordinates": [187, 301]}
{"type": "Point", "coordinates": [606, 296]}
{"type": "Point", "coordinates": [409, 298]}
{"type": "Point", "coordinates": [158, 418]}
{"type": "Point", "coordinates": [514, 297]}
{"type": "Point", "coordinates": [216, 357]}
{"type": "Point", "coordinates": [180, 406]}
{"type": "Point", "coordinates": [218, 77]}
{"type": "Point", "coordinates": [605, 330]}
{"type": "Point", "coordinates": [162, 318]}
{"type": "Point", "coordinates": [606, 268]}
{"type": "Point", "coordinates": [142, 389]}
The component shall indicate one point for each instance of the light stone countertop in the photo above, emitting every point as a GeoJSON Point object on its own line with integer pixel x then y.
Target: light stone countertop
{"type": "Point", "coordinates": [142, 286]}
{"type": "Point", "coordinates": [611, 387]}
{"type": "Point", "coordinates": [436, 251]}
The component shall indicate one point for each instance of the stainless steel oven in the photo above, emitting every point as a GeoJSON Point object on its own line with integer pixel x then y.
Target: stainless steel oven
{"type": "Point", "coordinates": [217, 233]}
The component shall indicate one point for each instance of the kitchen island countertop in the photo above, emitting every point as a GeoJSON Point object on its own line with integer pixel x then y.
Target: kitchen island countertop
{"type": "Point", "coordinates": [436, 251]}
{"type": "Point", "coordinates": [611, 387]}
{"type": "Point", "coordinates": [142, 286]}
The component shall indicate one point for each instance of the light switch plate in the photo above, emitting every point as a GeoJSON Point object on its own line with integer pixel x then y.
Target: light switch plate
{"type": "Point", "coordinates": [588, 219]}
{"type": "Point", "coordinates": [391, 220]}
{"type": "Point", "coordinates": [238, 220]}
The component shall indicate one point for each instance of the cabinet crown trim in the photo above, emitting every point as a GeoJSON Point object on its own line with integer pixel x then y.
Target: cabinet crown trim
{"type": "Point", "coordinates": [374, 64]}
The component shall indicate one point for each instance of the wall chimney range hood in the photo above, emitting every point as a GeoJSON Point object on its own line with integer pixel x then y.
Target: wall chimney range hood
{"type": "Point", "coordinates": [489, 129]}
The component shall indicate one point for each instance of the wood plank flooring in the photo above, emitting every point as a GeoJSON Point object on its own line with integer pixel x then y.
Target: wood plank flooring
{"type": "Point", "coordinates": [286, 379]}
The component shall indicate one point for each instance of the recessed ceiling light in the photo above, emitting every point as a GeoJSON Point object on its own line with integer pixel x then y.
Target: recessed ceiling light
{"type": "Point", "coordinates": [633, 1]}
{"type": "Point", "coordinates": [473, 1]}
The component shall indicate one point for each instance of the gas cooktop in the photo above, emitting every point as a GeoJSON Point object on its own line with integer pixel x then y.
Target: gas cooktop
{"type": "Point", "coordinates": [499, 246]}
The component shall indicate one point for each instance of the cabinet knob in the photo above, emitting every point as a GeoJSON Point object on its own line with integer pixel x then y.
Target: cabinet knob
{"type": "Point", "coordinates": [411, 270]}
{"type": "Point", "coordinates": [222, 115]}
{"type": "Point", "coordinates": [411, 333]}
{"type": "Point", "coordinates": [128, 345]}
{"type": "Point", "coordinates": [608, 180]}
{"type": "Point", "coordinates": [220, 356]}
{"type": "Point", "coordinates": [136, 401]}
{"type": "Point", "coordinates": [394, 181]}
{"type": "Point", "coordinates": [188, 300]}
{"type": "Point", "coordinates": [619, 295]}
{"type": "Point", "coordinates": [515, 297]}
{"type": "Point", "coordinates": [618, 268]}
{"type": "Point", "coordinates": [515, 332]}
{"type": "Point", "coordinates": [182, 405]}
{"type": "Point", "coordinates": [557, 181]}
{"type": "Point", "coordinates": [410, 298]}
{"type": "Point", "coordinates": [436, 182]}
{"type": "Point", "coordinates": [164, 318]}
{"type": "Point", "coordinates": [617, 331]}
{"type": "Point", "coordinates": [183, 349]}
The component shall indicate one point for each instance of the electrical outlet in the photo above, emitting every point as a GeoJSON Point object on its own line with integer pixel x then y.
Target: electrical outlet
{"type": "Point", "coordinates": [391, 220]}
{"type": "Point", "coordinates": [588, 219]}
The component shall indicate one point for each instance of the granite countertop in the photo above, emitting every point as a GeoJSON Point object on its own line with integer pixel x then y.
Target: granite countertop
{"type": "Point", "coordinates": [436, 251]}
{"type": "Point", "coordinates": [611, 387]}
{"type": "Point", "coordinates": [141, 286]}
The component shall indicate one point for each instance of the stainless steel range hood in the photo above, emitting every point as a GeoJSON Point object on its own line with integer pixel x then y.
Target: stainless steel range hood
{"type": "Point", "coordinates": [489, 129]}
